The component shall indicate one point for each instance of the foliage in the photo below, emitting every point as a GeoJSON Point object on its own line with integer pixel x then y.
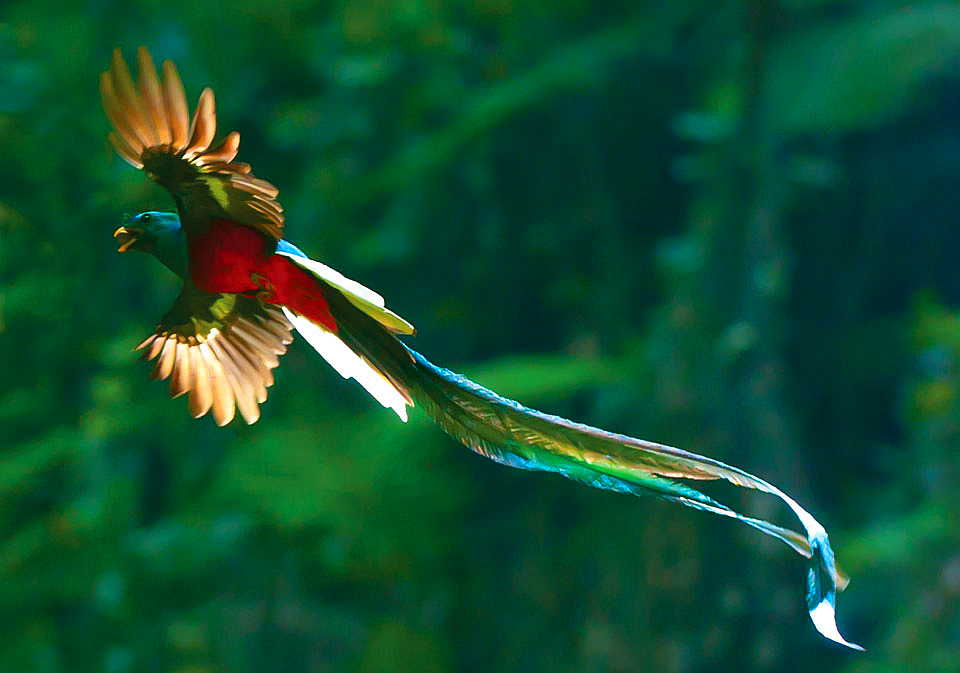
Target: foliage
{"type": "Point", "coordinates": [728, 227]}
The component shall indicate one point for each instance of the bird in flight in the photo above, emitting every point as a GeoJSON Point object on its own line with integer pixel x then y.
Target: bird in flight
{"type": "Point", "coordinates": [245, 290]}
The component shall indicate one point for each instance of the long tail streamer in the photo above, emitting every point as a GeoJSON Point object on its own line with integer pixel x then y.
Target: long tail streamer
{"type": "Point", "coordinates": [509, 433]}
{"type": "Point", "coordinates": [512, 434]}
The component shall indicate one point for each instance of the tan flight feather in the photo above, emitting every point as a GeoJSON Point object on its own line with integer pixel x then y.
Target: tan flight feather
{"type": "Point", "coordinates": [204, 125]}
{"type": "Point", "coordinates": [257, 375]}
{"type": "Point", "coordinates": [224, 407]}
{"type": "Point", "coordinates": [152, 96]}
{"type": "Point", "coordinates": [166, 359]}
{"type": "Point", "coordinates": [223, 153]}
{"type": "Point", "coordinates": [201, 394]}
{"type": "Point", "coordinates": [127, 95]}
{"type": "Point", "coordinates": [117, 116]}
{"type": "Point", "coordinates": [125, 151]}
{"type": "Point", "coordinates": [154, 132]}
{"type": "Point", "coordinates": [182, 375]}
{"type": "Point", "coordinates": [175, 102]}
{"type": "Point", "coordinates": [224, 370]}
{"type": "Point", "coordinates": [243, 388]}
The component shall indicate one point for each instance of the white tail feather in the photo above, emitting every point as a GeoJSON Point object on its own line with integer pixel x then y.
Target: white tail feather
{"type": "Point", "coordinates": [348, 364]}
{"type": "Point", "coordinates": [362, 297]}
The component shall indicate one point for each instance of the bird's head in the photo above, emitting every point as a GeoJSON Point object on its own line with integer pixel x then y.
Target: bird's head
{"type": "Point", "coordinates": [144, 232]}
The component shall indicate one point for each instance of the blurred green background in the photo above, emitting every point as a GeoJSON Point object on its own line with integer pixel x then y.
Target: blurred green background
{"type": "Point", "coordinates": [729, 227]}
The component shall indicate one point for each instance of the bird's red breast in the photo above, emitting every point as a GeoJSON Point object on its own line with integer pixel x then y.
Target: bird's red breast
{"type": "Point", "coordinates": [231, 257]}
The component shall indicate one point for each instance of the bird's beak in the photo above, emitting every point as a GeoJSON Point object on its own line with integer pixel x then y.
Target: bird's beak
{"type": "Point", "coordinates": [127, 236]}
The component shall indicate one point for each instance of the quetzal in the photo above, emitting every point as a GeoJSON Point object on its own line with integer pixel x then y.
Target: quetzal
{"type": "Point", "coordinates": [245, 289]}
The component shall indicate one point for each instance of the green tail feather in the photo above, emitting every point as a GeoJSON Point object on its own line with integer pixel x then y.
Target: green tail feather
{"type": "Point", "coordinates": [509, 433]}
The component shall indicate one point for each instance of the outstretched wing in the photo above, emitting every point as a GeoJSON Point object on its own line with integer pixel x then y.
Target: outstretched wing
{"type": "Point", "coordinates": [153, 132]}
{"type": "Point", "coordinates": [219, 348]}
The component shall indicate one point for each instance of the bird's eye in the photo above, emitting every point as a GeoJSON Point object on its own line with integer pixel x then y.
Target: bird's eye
{"type": "Point", "coordinates": [145, 217]}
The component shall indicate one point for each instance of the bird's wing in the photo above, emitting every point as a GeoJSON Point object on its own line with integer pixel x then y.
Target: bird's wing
{"type": "Point", "coordinates": [219, 348]}
{"type": "Point", "coordinates": [153, 132]}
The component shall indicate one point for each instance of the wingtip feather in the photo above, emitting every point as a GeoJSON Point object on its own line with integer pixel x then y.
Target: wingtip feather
{"type": "Point", "coordinates": [225, 152]}
{"type": "Point", "coordinates": [175, 101]}
{"type": "Point", "coordinates": [204, 125]}
{"type": "Point", "coordinates": [152, 96]}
